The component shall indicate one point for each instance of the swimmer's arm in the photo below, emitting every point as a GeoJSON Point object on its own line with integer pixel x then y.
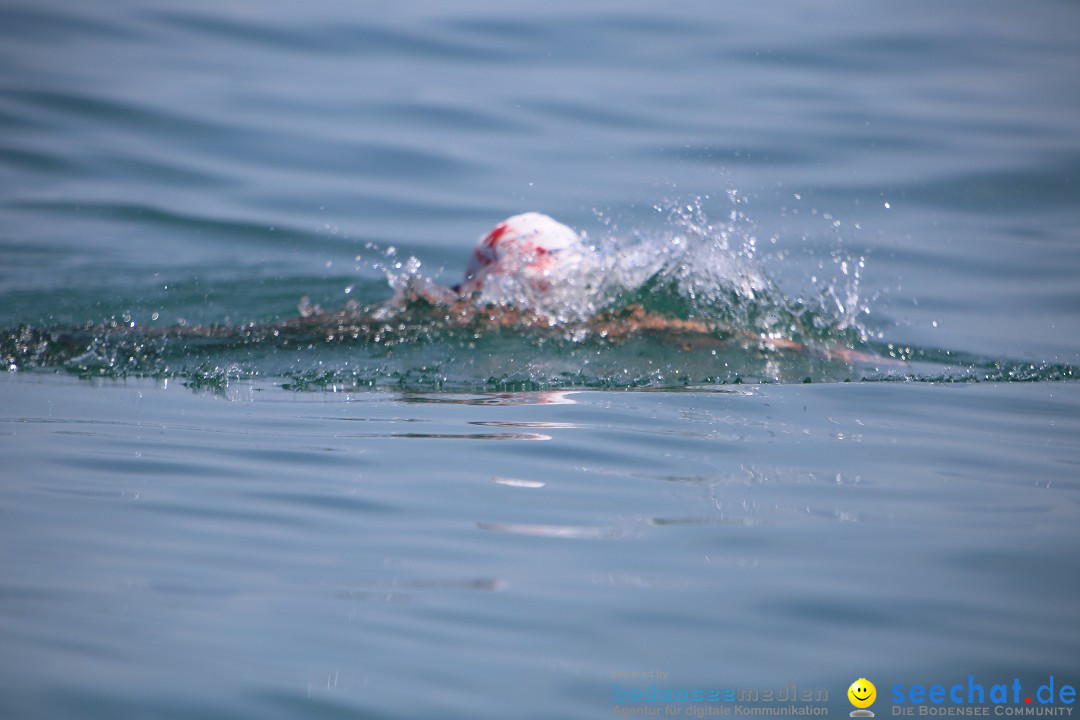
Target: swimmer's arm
{"type": "Point", "coordinates": [692, 334]}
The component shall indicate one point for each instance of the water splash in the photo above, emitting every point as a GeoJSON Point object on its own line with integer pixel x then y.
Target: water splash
{"type": "Point", "coordinates": [692, 266]}
{"type": "Point", "coordinates": [689, 267]}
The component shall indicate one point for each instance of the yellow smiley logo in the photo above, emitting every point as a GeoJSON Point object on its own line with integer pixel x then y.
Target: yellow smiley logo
{"type": "Point", "coordinates": [862, 693]}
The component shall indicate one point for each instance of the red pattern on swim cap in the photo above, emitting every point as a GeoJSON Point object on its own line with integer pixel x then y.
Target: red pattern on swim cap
{"type": "Point", "coordinates": [486, 251]}
{"type": "Point", "coordinates": [497, 232]}
{"type": "Point", "coordinates": [529, 246]}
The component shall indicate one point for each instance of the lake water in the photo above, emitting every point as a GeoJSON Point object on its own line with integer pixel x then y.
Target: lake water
{"type": "Point", "coordinates": [508, 525]}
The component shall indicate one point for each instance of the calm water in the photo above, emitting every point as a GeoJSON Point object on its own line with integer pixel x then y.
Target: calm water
{"type": "Point", "coordinates": [492, 527]}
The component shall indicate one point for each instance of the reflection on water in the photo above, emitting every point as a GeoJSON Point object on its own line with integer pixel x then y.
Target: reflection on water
{"type": "Point", "coordinates": [523, 424]}
{"type": "Point", "coordinates": [518, 482]}
{"type": "Point", "coordinates": [469, 436]}
{"type": "Point", "coordinates": [503, 399]}
{"type": "Point", "coordinates": [575, 532]}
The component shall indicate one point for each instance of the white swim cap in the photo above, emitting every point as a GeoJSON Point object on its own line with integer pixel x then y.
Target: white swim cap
{"type": "Point", "coordinates": [531, 250]}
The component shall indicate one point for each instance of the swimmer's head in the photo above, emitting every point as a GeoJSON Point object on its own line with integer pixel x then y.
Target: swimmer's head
{"type": "Point", "coordinates": [529, 249]}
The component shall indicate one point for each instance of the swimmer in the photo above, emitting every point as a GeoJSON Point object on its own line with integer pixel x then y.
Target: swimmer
{"type": "Point", "coordinates": [525, 272]}
{"type": "Point", "coordinates": [522, 275]}
{"type": "Point", "coordinates": [544, 266]}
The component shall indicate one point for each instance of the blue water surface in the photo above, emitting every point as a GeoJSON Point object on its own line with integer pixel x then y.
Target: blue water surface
{"type": "Point", "coordinates": [506, 526]}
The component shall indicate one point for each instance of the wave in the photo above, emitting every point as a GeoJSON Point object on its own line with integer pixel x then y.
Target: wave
{"type": "Point", "coordinates": [687, 304]}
